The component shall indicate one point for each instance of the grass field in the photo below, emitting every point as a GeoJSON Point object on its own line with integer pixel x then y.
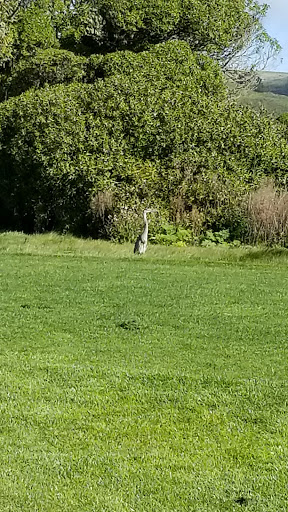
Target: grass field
{"type": "Point", "coordinates": [275, 104]}
{"type": "Point", "coordinates": [154, 383]}
{"type": "Point", "coordinates": [271, 94]}
{"type": "Point", "coordinates": [273, 81]}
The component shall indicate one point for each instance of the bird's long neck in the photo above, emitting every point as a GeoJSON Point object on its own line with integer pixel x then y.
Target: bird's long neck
{"type": "Point", "coordinates": [145, 232]}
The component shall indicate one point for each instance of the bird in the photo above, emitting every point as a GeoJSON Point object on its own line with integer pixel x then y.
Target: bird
{"type": "Point", "coordinates": [142, 240]}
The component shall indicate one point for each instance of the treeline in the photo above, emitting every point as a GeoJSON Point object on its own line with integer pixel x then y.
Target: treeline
{"type": "Point", "coordinates": [109, 108]}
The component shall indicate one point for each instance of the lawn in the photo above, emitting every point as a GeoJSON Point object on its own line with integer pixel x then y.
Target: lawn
{"type": "Point", "coordinates": [146, 384]}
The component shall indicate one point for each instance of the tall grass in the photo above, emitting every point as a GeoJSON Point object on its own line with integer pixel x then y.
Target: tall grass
{"type": "Point", "coordinates": [53, 244]}
{"type": "Point", "coordinates": [267, 215]}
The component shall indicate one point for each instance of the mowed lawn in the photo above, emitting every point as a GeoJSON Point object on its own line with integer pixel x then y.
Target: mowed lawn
{"type": "Point", "coordinates": [146, 384]}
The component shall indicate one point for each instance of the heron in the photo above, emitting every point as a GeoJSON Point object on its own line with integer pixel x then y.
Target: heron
{"type": "Point", "coordinates": [141, 242]}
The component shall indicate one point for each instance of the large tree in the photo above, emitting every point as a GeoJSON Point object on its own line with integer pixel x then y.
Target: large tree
{"type": "Point", "coordinates": [221, 28]}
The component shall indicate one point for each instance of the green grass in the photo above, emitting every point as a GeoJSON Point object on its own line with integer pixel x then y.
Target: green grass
{"type": "Point", "coordinates": [154, 383]}
{"type": "Point", "coordinates": [271, 93]}
{"type": "Point", "coordinates": [273, 81]}
{"type": "Point", "coordinates": [275, 104]}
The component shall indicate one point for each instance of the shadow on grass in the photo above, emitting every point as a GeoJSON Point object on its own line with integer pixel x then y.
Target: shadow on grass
{"type": "Point", "coordinates": [265, 253]}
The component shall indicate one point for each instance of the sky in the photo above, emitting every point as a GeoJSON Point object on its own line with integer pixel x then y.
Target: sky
{"type": "Point", "coordinates": [276, 24]}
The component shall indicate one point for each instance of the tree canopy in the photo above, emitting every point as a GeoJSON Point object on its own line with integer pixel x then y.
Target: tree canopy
{"type": "Point", "coordinates": [220, 28]}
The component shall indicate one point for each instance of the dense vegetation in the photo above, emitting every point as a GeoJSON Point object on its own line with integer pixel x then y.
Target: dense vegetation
{"type": "Point", "coordinates": [111, 107]}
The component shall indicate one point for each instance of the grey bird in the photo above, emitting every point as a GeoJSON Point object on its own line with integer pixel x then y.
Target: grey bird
{"type": "Point", "coordinates": [142, 240]}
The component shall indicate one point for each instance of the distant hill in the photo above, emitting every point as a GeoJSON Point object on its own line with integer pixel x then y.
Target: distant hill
{"type": "Point", "coordinates": [271, 93]}
{"type": "Point", "coordinates": [274, 82]}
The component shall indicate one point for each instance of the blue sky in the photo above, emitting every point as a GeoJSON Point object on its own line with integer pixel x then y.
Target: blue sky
{"type": "Point", "coordinates": [276, 24]}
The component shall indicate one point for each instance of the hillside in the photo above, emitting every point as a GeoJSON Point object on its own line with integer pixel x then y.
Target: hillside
{"type": "Point", "coordinates": [271, 81]}
{"type": "Point", "coordinates": [271, 93]}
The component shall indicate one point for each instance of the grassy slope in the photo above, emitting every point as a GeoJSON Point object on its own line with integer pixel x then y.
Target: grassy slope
{"type": "Point", "coordinates": [155, 383]}
{"type": "Point", "coordinates": [274, 82]}
{"type": "Point", "coordinates": [271, 94]}
{"type": "Point", "coordinates": [274, 103]}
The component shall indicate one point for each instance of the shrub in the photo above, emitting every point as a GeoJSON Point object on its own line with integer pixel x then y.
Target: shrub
{"type": "Point", "coordinates": [43, 166]}
{"type": "Point", "coordinates": [283, 119]}
{"type": "Point", "coordinates": [171, 62]}
{"type": "Point", "coordinates": [50, 66]}
{"type": "Point", "coordinates": [211, 238]}
{"type": "Point", "coordinates": [34, 29]}
{"type": "Point", "coordinates": [172, 235]}
{"type": "Point", "coordinates": [216, 27]}
{"type": "Point", "coordinates": [62, 145]}
{"type": "Point", "coordinates": [102, 206]}
{"type": "Point", "coordinates": [124, 225]}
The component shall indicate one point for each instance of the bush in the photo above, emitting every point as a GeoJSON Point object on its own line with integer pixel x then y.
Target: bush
{"type": "Point", "coordinates": [211, 238]}
{"type": "Point", "coordinates": [34, 29]}
{"type": "Point", "coordinates": [212, 26]}
{"type": "Point", "coordinates": [172, 235]}
{"type": "Point", "coordinates": [283, 119]}
{"type": "Point", "coordinates": [171, 62]}
{"type": "Point", "coordinates": [43, 164]}
{"type": "Point", "coordinates": [62, 145]}
{"type": "Point", "coordinates": [50, 66]}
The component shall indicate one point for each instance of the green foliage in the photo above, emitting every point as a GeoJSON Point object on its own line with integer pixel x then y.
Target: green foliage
{"type": "Point", "coordinates": [177, 236]}
{"type": "Point", "coordinates": [6, 39]}
{"type": "Point", "coordinates": [235, 148]}
{"type": "Point", "coordinates": [46, 131]}
{"type": "Point", "coordinates": [171, 235]}
{"type": "Point", "coordinates": [61, 144]}
{"type": "Point", "coordinates": [51, 66]}
{"type": "Point", "coordinates": [283, 119]}
{"type": "Point", "coordinates": [172, 62]}
{"type": "Point", "coordinates": [219, 28]}
{"type": "Point", "coordinates": [148, 136]}
{"type": "Point", "coordinates": [211, 238]}
{"type": "Point", "coordinates": [35, 30]}
{"type": "Point", "coordinates": [212, 26]}
{"type": "Point", "coordinates": [27, 26]}
{"type": "Point", "coordinates": [8, 10]}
